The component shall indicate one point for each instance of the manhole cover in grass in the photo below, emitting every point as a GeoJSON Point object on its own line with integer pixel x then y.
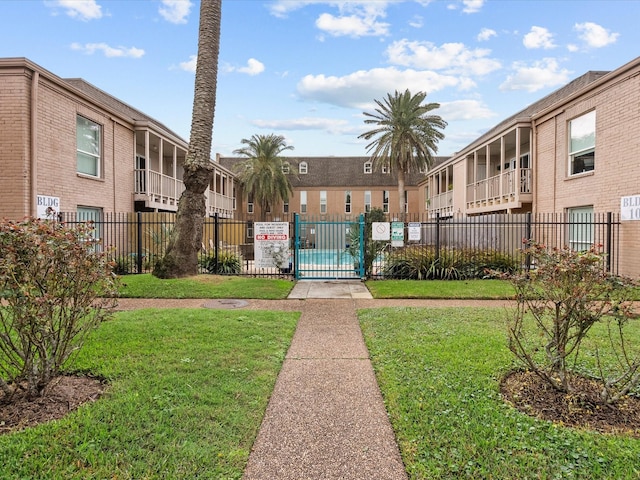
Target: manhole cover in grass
{"type": "Point", "coordinates": [226, 304]}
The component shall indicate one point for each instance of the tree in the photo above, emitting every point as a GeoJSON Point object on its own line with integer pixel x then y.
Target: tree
{"type": "Point", "coordinates": [181, 256]}
{"type": "Point", "coordinates": [405, 137]}
{"type": "Point", "coordinates": [262, 174]}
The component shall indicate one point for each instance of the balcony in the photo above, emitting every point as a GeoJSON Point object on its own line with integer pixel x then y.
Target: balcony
{"type": "Point", "coordinates": [441, 204]}
{"type": "Point", "coordinates": [509, 190]}
{"type": "Point", "coordinates": [162, 192]}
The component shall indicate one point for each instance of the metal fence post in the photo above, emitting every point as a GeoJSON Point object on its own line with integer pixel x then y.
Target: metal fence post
{"type": "Point", "coordinates": [528, 236]}
{"type": "Point", "coordinates": [215, 239]}
{"type": "Point", "coordinates": [609, 236]}
{"type": "Point", "coordinates": [437, 257]}
{"type": "Point", "coordinates": [139, 246]}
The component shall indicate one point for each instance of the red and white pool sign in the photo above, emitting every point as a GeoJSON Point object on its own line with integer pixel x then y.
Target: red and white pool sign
{"type": "Point", "coordinates": [271, 245]}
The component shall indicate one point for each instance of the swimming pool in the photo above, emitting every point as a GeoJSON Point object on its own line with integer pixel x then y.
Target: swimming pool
{"type": "Point", "coordinates": [312, 256]}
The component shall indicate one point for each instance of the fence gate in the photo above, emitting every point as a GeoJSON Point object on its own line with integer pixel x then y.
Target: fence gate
{"type": "Point", "coordinates": [328, 248]}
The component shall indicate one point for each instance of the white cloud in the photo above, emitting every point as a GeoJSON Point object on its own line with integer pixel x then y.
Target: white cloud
{"type": "Point", "coordinates": [175, 11]}
{"type": "Point", "coordinates": [472, 6]}
{"type": "Point", "coordinates": [450, 57]}
{"type": "Point", "coordinates": [416, 22]}
{"type": "Point", "coordinates": [464, 110]}
{"type": "Point", "coordinates": [485, 34]}
{"type": "Point", "coordinates": [91, 48]}
{"type": "Point", "coordinates": [594, 35]}
{"type": "Point", "coordinates": [359, 89]}
{"type": "Point", "coordinates": [542, 74]}
{"type": "Point", "coordinates": [190, 65]}
{"type": "Point", "coordinates": [253, 67]}
{"type": "Point", "coordinates": [81, 9]}
{"type": "Point", "coordinates": [538, 37]}
{"type": "Point", "coordinates": [330, 125]}
{"type": "Point", "coordinates": [352, 25]}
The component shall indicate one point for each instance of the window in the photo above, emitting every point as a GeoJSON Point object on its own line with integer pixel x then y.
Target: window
{"type": "Point", "coordinates": [386, 169]}
{"type": "Point", "coordinates": [582, 143]}
{"type": "Point", "coordinates": [91, 214]}
{"type": "Point", "coordinates": [87, 147]}
{"type": "Point", "coordinates": [385, 201]}
{"type": "Point", "coordinates": [347, 201]}
{"type": "Point", "coordinates": [302, 168]}
{"type": "Point", "coordinates": [285, 168]}
{"type": "Point", "coordinates": [406, 201]}
{"type": "Point", "coordinates": [323, 201]}
{"type": "Point", "coordinates": [249, 229]}
{"type": "Point", "coordinates": [250, 203]}
{"type": "Point", "coordinates": [285, 207]}
{"type": "Point", "coordinates": [580, 228]}
{"type": "Point", "coordinates": [367, 201]}
{"type": "Point", "coordinates": [368, 167]}
{"type": "Point", "coordinates": [303, 201]}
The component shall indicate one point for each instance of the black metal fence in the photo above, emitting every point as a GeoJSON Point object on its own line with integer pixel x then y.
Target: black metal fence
{"type": "Point", "coordinates": [456, 247]}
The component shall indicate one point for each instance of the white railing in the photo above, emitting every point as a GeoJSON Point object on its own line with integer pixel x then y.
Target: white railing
{"type": "Point", "coordinates": [500, 187]}
{"type": "Point", "coordinates": [166, 191]}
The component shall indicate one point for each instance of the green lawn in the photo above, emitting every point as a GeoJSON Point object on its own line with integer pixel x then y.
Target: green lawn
{"type": "Point", "coordinates": [439, 371]}
{"type": "Point", "coordinates": [204, 286]}
{"type": "Point", "coordinates": [188, 389]}
{"type": "Point", "coordinates": [441, 289]}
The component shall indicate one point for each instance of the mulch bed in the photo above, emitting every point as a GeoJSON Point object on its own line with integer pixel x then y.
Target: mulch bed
{"type": "Point", "coordinates": [63, 395]}
{"type": "Point", "coordinates": [582, 408]}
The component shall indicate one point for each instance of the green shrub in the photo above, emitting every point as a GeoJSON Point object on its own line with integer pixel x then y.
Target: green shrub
{"type": "Point", "coordinates": [228, 263]}
{"type": "Point", "coordinates": [57, 286]}
{"type": "Point", "coordinates": [422, 263]}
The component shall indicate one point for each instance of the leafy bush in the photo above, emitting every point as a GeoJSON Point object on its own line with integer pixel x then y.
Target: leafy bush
{"type": "Point", "coordinates": [228, 262]}
{"type": "Point", "coordinates": [422, 263]}
{"type": "Point", "coordinates": [57, 286]}
{"type": "Point", "coordinates": [558, 303]}
{"type": "Point", "coordinates": [124, 264]}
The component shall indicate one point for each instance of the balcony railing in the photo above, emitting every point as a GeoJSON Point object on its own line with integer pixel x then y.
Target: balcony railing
{"type": "Point", "coordinates": [508, 185]}
{"type": "Point", "coordinates": [441, 204]}
{"type": "Point", "coordinates": [163, 192]}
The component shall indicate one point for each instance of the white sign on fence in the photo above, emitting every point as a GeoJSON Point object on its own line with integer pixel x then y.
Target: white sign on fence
{"type": "Point", "coordinates": [414, 231]}
{"type": "Point", "coordinates": [397, 234]}
{"type": "Point", "coordinates": [380, 231]}
{"type": "Point", "coordinates": [271, 244]}
{"type": "Point", "coordinates": [630, 208]}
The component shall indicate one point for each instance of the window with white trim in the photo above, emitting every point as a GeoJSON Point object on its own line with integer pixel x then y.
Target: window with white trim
{"type": "Point", "coordinates": [367, 201]}
{"type": "Point", "coordinates": [323, 201]}
{"type": "Point", "coordinates": [303, 168]}
{"type": "Point", "coordinates": [285, 207]}
{"type": "Point", "coordinates": [250, 208]}
{"type": "Point", "coordinates": [582, 143]}
{"type": "Point", "coordinates": [303, 201]}
{"type": "Point", "coordinates": [347, 201]}
{"type": "Point", "coordinates": [580, 228]}
{"type": "Point", "coordinates": [368, 167]}
{"type": "Point", "coordinates": [91, 214]}
{"type": "Point", "coordinates": [88, 143]}
{"type": "Point", "coordinates": [385, 201]}
{"type": "Point", "coordinates": [285, 168]}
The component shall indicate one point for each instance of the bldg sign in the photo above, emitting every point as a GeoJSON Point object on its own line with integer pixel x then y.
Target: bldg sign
{"type": "Point", "coordinates": [630, 208]}
{"type": "Point", "coordinates": [271, 244]}
{"type": "Point", "coordinates": [47, 207]}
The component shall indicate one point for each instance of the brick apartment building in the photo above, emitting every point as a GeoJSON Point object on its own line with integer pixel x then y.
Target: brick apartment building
{"type": "Point", "coordinates": [574, 152]}
{"type": "Point", "coordinates": [70, 147]}
{"type": "Point", "coordinates": [343, 186]}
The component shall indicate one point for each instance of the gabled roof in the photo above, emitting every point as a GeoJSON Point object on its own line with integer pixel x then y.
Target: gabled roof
{"type": "Point", "coordinates": [337, 172]}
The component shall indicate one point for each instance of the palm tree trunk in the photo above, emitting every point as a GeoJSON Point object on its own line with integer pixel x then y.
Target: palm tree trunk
{"type": "Point", "coordinates": [181, 256]}
{"type": "Point", "coordinates": [401, 193]}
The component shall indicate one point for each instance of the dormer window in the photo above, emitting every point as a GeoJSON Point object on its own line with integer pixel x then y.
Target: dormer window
{"type": "Point", "coordinates": [285, 168]}
{"type": "Point", "coordinates": [368, 167]}
{"type": "Point", "coordinates": [302, 168]}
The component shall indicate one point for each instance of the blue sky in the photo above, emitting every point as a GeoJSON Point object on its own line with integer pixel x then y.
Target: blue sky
{"type": "Point", "coordinates": [307, 69]}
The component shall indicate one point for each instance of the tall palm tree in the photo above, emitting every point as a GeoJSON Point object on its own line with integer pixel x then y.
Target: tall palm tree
{"type": "Point", "coordinates": [181, 256]}
{"type": "Point", "coordinates": [405, 137]}
{"type": "Point", "coordinates": [262, 175]}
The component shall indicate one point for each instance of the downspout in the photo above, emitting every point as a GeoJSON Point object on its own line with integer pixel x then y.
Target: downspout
{"type": "Point", "coordinates": [35, 79]}
{"type": "Point", "coordinates": [533, 143]}
{"type": "Point", "coordinates": [113, 160]}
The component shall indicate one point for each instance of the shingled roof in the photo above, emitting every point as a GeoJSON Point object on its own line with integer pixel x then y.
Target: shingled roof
{"type": "Point", "coordinates": [337, 172]}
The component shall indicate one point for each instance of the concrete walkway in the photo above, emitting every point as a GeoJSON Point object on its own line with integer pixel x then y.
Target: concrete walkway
{"type": "Point", "coordinates": [326, 418]}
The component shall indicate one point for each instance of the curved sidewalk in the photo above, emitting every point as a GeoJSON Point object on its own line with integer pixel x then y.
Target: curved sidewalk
{"type": "Point", "coordinates": [326, 418]}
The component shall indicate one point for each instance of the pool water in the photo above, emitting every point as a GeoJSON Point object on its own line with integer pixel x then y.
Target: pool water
{"type": "Point", "coordinates": [324, 257]}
